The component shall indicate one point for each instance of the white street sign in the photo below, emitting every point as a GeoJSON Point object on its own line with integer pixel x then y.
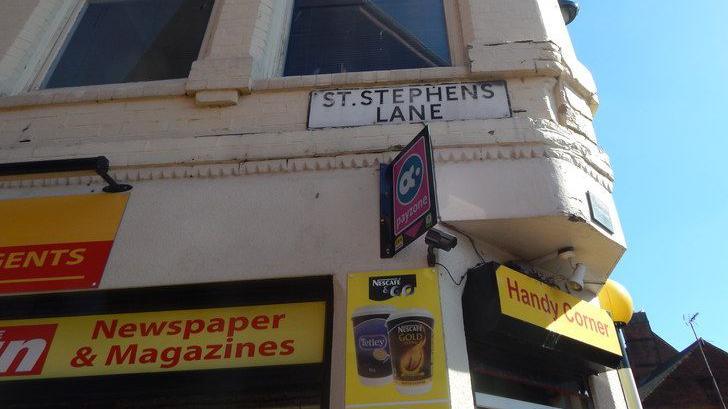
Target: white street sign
{"type": "Point", "coordinates": [408, 104]}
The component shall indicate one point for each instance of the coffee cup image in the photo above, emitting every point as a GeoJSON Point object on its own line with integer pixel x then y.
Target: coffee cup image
{"type": "Point", "coordinates": [373, 360]}
{"type": "Point", "coordinates": [410, 334]}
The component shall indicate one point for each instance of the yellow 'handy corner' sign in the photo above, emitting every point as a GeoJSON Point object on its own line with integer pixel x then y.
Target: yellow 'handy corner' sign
{"type": "Point", "coordinates": [531, 301]}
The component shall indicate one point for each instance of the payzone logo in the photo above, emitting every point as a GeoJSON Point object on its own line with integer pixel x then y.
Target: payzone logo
{"type": "Point", "coordinates": [23, 349]}
{"type": "Point", "coordinates": [410, 179]}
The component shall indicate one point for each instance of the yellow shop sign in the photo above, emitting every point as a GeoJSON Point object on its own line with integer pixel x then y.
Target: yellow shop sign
{"type": "Point", "coordinates": [162, 341]}
{"type": "Point", "coordinates": [534, 302]}
{"type": "Point", "coordinates": [57, 243]}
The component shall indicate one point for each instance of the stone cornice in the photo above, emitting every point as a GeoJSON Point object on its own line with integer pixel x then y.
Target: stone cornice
{"type": "Point", "coordinates": [443, 155]}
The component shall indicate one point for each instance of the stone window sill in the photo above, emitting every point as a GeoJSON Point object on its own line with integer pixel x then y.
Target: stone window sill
{"type": "Point", "coordinates": [180, 87]}
{"type": "Point", "coordinates": [359, 78]}
{"type": "Point", "coordinates": [96, 93]}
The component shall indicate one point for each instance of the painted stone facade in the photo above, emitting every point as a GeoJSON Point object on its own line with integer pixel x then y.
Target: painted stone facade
{"type": "Point", "coordinates": [230, 184]}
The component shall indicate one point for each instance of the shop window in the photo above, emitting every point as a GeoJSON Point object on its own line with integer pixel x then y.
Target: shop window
{"type": "Point", "coordinates": [517, 364]}
{"type": "Point", "coordinates": [118, 41]}
{"type": "Point", "coordinates": [335, 36]}
{"type": "Point", "coordinates": [528, 379]}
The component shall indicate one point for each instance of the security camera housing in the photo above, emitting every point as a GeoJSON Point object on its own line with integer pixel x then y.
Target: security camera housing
{"type": "Point", "coordinates": [440, 240]}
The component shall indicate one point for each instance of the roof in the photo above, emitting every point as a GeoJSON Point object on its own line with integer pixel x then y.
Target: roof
{"type": "Point", "coordinates": [655, 379]}
{"type": "Point", "coordinates": [646, 350]}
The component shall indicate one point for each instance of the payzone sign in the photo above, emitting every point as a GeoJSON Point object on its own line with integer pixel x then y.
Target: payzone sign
{"type": "Point", "coordinates": [412, 191]}
{"type": "Point", "coordinates": [411, 206]}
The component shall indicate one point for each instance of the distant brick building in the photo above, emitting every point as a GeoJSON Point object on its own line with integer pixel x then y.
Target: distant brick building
{"type": "Point", "coordinates": [667, 378]}
{"type": "Point", "coordinates": [647, 351]}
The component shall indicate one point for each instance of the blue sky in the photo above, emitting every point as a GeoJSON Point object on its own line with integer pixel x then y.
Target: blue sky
{"type": "Point", "coordinates": [661, 68]}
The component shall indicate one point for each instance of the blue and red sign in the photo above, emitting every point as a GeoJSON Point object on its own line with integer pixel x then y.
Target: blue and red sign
{"type": "Point", "coordinates": [408, 203]}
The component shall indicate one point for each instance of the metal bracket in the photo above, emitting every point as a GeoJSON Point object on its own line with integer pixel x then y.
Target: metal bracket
{"type": "Point", "coordinates": [102, 169]}
{"type": "Point", "coordinates": [98, 165]}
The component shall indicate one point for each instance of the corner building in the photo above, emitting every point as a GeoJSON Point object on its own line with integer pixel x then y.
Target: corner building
{"type": "Point", "coordinates": [252, 132]}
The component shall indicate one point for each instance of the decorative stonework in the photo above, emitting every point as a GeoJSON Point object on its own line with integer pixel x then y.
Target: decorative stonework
{"type": "Point", "coordinates": [524, 151]}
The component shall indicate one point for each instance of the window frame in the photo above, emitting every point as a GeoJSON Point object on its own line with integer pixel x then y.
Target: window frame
{"type": "Point", "coordinates": [453, 29]}
{"type": "Point", "coordinates": [454, 26]}
{"type": "Point", "coordinates": [490, 401]}
{"type": "Point", "coordinates": [62, 37]}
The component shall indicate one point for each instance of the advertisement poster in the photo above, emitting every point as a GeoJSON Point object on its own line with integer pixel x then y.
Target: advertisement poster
{"type": "Point", "coordinates": [57, 243]}
{"type": "Point", "coordinates": [395, 351]}
{"type": "Point", "coordinates": [163, 341]}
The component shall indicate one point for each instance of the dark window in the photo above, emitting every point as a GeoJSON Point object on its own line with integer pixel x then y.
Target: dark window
{"type": "Point", "coordinates": [331, 36]}
{"type": "Point", "coordinates": [132, 40]}
{"type": "Point", "coordinates": [514, 363]}
{"type": "Point", "coordinates": [528, 375]}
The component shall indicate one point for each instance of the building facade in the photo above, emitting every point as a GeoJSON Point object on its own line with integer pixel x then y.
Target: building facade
{"type": "Point", "coordinates": [231, 121]}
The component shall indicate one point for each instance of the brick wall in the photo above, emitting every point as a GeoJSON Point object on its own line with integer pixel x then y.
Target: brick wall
{"type": "Point", "coordinates": [690, 386]}
{"type": "Point", "coordinates": [645, 349]}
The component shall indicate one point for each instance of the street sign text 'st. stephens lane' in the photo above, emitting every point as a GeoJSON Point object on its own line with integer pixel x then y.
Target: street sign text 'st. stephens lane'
{"type": "Point", "coordinates": [409, 104]}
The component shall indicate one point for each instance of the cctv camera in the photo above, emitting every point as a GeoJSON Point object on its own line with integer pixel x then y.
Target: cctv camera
{"type": "Point", "coordinates": [440, 240]}
{"type": "Point", "coordinates": [576, 281]}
